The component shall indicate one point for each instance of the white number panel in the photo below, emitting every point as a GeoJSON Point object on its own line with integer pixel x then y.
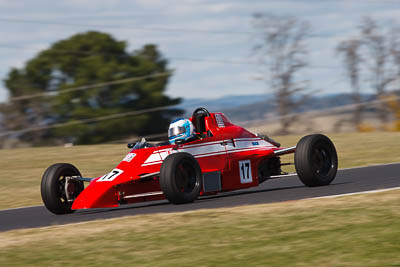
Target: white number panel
{"type": "Point", "coordinates": [111, 176]}
{"type": "Point", "coordinates": [245, 171]}
{"type": "Point", "coordinates": [129, 157]}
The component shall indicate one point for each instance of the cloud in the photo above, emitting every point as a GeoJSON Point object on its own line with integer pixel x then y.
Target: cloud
{"type": "Point", "coordinates": [219, 7]}
{"type": "Point", "coordinates": [212, 80]}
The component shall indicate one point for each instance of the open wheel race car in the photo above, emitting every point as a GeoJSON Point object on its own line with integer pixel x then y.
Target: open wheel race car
{"type": "Point", "coordinates": [223, 157]}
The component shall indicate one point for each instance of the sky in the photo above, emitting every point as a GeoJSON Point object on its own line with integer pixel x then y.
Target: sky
{"type": "Point", "coordinates": [208, 43]}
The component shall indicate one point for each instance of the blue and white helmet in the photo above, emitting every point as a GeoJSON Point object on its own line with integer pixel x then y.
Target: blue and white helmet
{"type": "Point", "coordinates": [180, 129]}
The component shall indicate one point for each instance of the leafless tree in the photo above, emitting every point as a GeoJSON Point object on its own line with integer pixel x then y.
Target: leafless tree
{"type": "Point", "coordinates": [395, 51]}
{"type": "Point", "coordinates": [378, 59]}
{"type": "Point", "coordinates": [282, 49]}
{"type": "Point", "coordinates": [350, 50]}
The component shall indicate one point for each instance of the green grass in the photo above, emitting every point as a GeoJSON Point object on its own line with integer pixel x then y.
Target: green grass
{"type": "Point", "coordinates": [362, 230]}
{"type": "Point", "coordinates": [22, 169]}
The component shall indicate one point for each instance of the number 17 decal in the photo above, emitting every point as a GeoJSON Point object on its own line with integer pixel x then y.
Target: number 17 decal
{"type": "Point", "coordinates": [245, 171]}
{"type": "Point", "coordinates": [110, 176]}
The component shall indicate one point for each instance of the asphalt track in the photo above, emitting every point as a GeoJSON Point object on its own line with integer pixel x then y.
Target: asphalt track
{"type": "Point", "coordinates": [276, 190]}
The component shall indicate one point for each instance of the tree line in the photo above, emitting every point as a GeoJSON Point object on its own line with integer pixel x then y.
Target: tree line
{"type": "Point", "coordinates": [56, 80]}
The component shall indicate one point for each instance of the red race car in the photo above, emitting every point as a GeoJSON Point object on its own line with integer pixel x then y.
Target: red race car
{"type": "Point", "coordinates": [223, 157]}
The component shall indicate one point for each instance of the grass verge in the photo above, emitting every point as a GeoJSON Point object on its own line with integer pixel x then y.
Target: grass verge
{"type": "Point", "coordinates": [358, 230]}
{"type": "Point", "coordinates": [22, 169]}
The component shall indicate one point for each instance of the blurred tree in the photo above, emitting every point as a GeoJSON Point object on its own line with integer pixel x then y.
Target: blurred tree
{"type": "Point", "coordinates": [377, 61]}
{"type": "Point", "coordinates": [394, 102]}
{"type": "Point", "coordinates": [281, 48]}
{"type": "Point", "coordinates": [22, 114]}
{"type": "Point", "coordinates": [395, 51]}
{"type": "Point", "coordinates": [83, 59]}
{"type": "Point", "coordinates": [350, 50]}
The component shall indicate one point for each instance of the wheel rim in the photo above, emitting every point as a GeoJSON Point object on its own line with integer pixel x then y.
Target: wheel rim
{"type": "Point", "coordinates": [322, 158]}
{"type": "Point", "coordinates": [185, 177]}
{"type": "Point", "coordinates": [74, 188]}
{"type": "Point", "coordinates": [61, 190]}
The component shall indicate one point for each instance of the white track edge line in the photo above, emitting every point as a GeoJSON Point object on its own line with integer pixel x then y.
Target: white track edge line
{"type": "Point", "coordinates": [358, 193]}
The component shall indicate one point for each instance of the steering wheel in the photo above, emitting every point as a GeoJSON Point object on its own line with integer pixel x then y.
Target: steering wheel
{"type": "Point", "coordinates": [199, 110]}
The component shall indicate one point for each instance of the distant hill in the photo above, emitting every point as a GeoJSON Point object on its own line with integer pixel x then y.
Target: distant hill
{"type": "Point", "coordinates": [223, 103]}
{"type": "Point", "coordinates": [257, 106]}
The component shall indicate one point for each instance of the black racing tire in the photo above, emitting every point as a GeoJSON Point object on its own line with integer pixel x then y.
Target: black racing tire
{"type": "Point", "coordinates": [53, 187]}
{"type": "Point", "coordinates": [181, 179]}
{"type": "Point", "coordinates": [316, 160]}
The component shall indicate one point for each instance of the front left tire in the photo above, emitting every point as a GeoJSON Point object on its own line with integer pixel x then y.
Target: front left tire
{"type": "Point", "coordinates": [56, 195]}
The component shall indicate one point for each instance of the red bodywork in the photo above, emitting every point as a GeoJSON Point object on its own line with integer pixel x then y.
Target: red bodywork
{"type": "Point", "coordinates": [232, 151]}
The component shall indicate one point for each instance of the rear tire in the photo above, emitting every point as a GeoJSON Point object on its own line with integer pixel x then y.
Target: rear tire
{"type": "Point", "coordinates": [53, 191]}
{"type": "Point", "coordinates": [181, 178]}
{"type": "Point", "coordinates": [316, 160]}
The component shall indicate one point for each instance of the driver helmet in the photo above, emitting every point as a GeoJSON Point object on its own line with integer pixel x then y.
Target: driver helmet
{"type": "Point", "coordinates": [180, 129]}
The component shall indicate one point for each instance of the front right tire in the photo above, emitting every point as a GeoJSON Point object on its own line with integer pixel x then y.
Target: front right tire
{"type": "Point", "coordinates": [181, 178]}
